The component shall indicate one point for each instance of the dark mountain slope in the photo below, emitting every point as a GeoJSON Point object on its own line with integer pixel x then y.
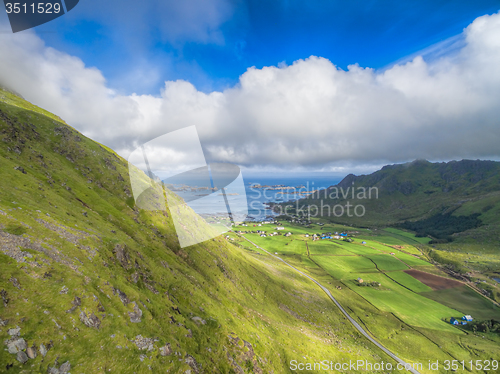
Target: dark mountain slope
{"type": "Point", "coordinates": [464, 196]}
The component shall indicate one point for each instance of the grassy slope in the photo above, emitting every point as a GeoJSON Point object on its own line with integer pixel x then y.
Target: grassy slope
{"type": "Point", "coordinates": [64, 220]}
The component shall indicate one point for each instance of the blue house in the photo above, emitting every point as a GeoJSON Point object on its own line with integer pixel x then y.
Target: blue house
{"type": "Point", "coordinates": [457, 322]}
{"type": "Point", "coordinates": [467, 318]}
{"type": "Point", "coordinates": [343, 234]}
{"type": "Point", "coordinates": [363, 242]}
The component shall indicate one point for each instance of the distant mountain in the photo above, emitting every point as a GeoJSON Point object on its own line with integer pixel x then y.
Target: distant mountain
{"type": "Point", "coordinates": [443, 200]}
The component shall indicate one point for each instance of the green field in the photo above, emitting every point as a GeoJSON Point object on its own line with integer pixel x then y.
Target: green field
{"type": "Point", "coordinates": [387, 262]}
{"type": "Point", "coordinates": [409, 282]}
{"type": "Point", "coordinates": [466, 301]}
{"type": "Point", "coordinates": [279, 244]}
{"type": "Point", "coordinates": [327, 247]}
{"type": "Point", "coordinates": [407, 235]}
{"type": "Point", "coordinates": [409, 259]}
{"type": "Point", "coordinates": [414, 309]}
{"type": "Point", "coordinates": [348, 267]}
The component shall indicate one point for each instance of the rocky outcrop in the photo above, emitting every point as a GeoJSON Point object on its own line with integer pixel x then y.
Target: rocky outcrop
{"type": "Point", "coordinates": [190, 360]}
{"type": "Point", "coordinates": [135, 316]}
{"type": "Point", "coordinates": [122, 256]}
{"type": "Point", "coordinates": [166, 350]}
{"type": "Point", "coordinates": [144, 343]}
{"type": "Point", "coordinates": [90, 321]}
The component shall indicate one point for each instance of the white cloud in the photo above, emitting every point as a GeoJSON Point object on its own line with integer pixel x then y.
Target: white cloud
{"type": "Point", "coordinates": [307, 114]}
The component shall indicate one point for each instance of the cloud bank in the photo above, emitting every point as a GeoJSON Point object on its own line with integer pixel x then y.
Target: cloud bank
{"type": "Point", "coordinates": [309, 114]}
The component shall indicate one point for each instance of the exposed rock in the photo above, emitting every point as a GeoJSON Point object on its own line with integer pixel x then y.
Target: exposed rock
{"type": "Point", "coordinates": [199, 320]}
{"type": "Point", "coordinates": [135, 277]}
{"type": "Point", "coordinates": [21, 169]}
{"type": "Point", "coordinates": [15, 282]}
{"type": "Point", "coordinates": [135, 316]}
{"type": "Point", "coordinates": [22, 357]}
{"type": "Point", "coordinates": [144, 343]}
{"type": "Point", "coordinates": [76, 303]}
{"type": "Point", "coordinates": [57, 325]}
{"type": "Point", "coordinates": [90, 321]}
{"type": "Point", "coordinates": [5, 299]}
{"type": "Point", "coordinates": [189, 334]}
{"type": "Point", "coordinates": [142, 357]}
{"type": "Point", "coordinates": [15, 345]}
{"type": "Point", "coordinates": [3, 322]}
{"type": "Point", "coordinates": [122, 256]}
{"type": "Point", "coordinates": [166, 350]}
{"type": "Point", "coordinates": [65, 368]}
{"type": "Point", "coordinates": [237, 368]}
{"type": "Point", "coordinates": [64, 290]}
{"type": "Point", "coordinates": [14, 332]}
{"type": "Point", "coordinates": [122, 295]}
{"type": "Point", "coordinates": [43, 350]}
{"type": "Point", "coordinates": [31, 352]}
{"type": "Point", "coordinates": [151, 288]}
{"type": "Point", "coordinates": [192, 362]}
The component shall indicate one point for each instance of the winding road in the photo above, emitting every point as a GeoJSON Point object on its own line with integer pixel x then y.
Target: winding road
{"type": "Point", "coordinates": [354, 323]}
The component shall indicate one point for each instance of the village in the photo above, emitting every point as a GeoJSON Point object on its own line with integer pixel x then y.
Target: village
{"type": "Point", "coordinates": [279, 228]}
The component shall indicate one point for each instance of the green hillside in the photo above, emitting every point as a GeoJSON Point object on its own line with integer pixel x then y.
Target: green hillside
{"type": "Point", "coordinates": [98, 285]}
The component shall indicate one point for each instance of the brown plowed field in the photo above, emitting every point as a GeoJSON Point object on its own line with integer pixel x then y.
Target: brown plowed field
{"type": "Point", "coordinates": [433, 281]}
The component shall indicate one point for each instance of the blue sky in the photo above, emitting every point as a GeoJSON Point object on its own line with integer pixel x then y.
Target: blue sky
{"type": "Point", "coordinates": [323, 86]}
{"type": "Point", "coordinates": [139, 45]}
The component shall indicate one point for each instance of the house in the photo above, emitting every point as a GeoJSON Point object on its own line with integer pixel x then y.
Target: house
{"type": "Point", "coordinates": [393, 254]}
{"type": "Point", "coordinates": [453, 321]}
{"type": "Point", "coordinates": [363, 242]}
{"type": "Point", "coordinates": [360, 280]}
{"type": "Point", "coordinates": [307, 235]}
{"type": "Point", "coordinates": [263, 235]}
{"type": "Point", "coordinates": [343, 235]}
{"type": "Point", "coordinates": [280, 228]}
{"type": "Point", "coordinates": [336, 237]}
{"type": "Point", "coordinates": [467, 318]}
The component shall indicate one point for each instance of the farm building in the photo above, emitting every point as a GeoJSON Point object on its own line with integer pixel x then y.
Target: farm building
{"type": "Point", "coordinates": [363, 242]}
{"type": "Point", "coordinates": [467, 318]}
{"type": "Point", "coordinates": [280, 228]}
{"type": "Point", "coordinates": [360, 280]}
{"type": "Point", "coordinates": [457, 322]}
